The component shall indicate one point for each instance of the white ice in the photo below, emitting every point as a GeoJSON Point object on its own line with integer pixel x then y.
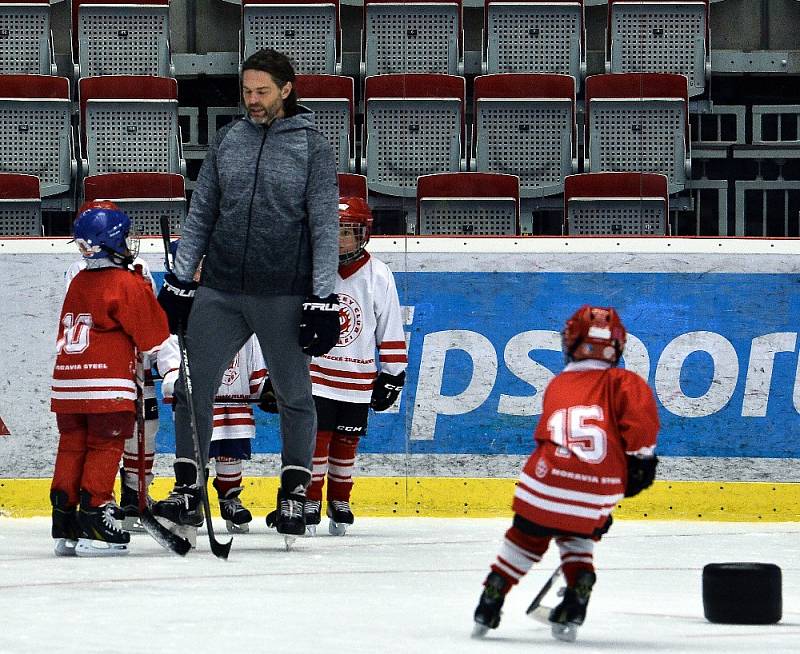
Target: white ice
{"type": "Point", "coordinates": [390, 585]}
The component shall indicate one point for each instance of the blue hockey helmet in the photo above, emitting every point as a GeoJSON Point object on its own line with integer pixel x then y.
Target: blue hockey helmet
{"type": "Point", "coordinates": [103, 233]}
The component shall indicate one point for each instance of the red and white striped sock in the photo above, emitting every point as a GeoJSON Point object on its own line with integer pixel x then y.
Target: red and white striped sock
{"type": "Point", "coordinates": [341, 463]}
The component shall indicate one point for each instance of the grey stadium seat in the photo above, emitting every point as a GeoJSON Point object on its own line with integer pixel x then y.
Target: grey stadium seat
{"type": "Point", "coordinates": [26, 40]}
{"type": "Point", "coordinates": [331, 98]}
{"type": "Point", "coordinates": [20, 205]}
{"type": "Point", "coordinates": [35, 130]}
{"type": "Point", "coordinates": [121, 38]}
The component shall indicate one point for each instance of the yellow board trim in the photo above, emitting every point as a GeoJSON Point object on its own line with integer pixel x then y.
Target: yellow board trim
{"type": "Point", "coordinates": [450, 497]}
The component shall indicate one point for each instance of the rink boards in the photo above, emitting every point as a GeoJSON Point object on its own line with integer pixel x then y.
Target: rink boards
{"type": "Point", "coordinates": [713, 328]}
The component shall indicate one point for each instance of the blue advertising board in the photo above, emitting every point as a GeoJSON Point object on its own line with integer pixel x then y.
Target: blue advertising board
{"type": "Point", "coordinates": [719, 350]}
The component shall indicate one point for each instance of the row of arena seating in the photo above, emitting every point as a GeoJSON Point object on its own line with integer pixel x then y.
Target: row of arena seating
{"type": "Point", "coordinates": [474, 204]}
{"type": "Point", "coordinates": [414, 125]}
{"type": "Point", "coordinates": [132, 37]}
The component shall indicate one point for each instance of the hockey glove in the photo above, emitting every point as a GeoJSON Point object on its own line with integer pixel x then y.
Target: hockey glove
{"type": "Point", "coordinates": [319, 324]}
{"type": "Point", "coordinates": [268, 402]}
{"type": "Point", "coordinates": [176, 298]}
{"type": "Point", "coordinates": [387, 388]}
{"type": "Point", "coordinates": [599, 532]}
{"type": "Point", "coordinates": [641, 473]}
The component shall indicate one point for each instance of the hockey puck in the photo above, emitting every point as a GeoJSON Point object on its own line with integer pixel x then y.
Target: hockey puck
{"type": "Point", "coordinates": [742, 593]}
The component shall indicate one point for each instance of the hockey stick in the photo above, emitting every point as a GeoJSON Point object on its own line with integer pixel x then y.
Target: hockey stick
{"type": "Point", "coordinates": [159, 532]}
{"type": "Point", "coordinates": [542, 613]}
{"type": "Point", "coordinates": [219, 549]}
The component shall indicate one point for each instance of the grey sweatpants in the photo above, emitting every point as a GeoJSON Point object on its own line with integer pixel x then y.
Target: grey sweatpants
{"type": "Point", "coordinates": [219, 325]}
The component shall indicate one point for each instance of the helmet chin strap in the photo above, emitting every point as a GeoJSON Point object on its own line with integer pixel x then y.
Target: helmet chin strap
{"type": "Point", "coordinates": [117, 257]}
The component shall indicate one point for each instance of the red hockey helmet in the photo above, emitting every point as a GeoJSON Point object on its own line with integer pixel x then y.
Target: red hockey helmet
{"type": "Point", "coordinates": [355, 226]}
{"type": "Point", "coordinates": [594, 333]}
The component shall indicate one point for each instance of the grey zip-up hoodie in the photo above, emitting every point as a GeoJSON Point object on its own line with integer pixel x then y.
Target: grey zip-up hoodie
{"type": "Point", "coordinates": [265, 211]}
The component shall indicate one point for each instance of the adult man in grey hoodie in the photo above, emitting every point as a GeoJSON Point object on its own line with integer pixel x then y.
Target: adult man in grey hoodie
{"type": "Point", "coordinates": [264, 221]}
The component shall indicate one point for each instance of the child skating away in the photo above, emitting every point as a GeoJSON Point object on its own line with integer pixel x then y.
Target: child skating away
{"type": "Point", "coordinates": [109, 314]}
{"type": "Point", "coordinates": [595, 443]}
{"type": "Point", "coordinates": [365, 369]}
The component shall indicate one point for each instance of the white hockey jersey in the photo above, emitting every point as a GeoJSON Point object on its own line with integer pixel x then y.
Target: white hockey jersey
{"type": "Point", "coordinates": [244, 378]}
{"type": "Point", "coordinates": [371, 323]}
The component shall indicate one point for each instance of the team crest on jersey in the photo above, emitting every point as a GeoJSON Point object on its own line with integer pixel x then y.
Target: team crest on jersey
{"type": "Point", "coordinates": [350, 320]}
{"type": "Point", "coordinates": [232, 373]}
{"type": "Point", "coordinates": [541, 469]}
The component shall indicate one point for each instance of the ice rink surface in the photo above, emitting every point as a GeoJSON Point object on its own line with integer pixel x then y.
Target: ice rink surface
{"type": "Point", "coordinates": [390, 585]}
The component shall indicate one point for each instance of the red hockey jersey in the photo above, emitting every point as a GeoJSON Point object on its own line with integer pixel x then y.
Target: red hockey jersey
{"type": "Point", "coordinates": [108, 314]}
{"type": "Point", "coordinates": [593, 416]}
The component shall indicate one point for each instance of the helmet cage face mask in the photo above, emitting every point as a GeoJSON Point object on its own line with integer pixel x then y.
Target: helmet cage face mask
{"type": "Point", "coordinates": [355, 225]}
{"type": "Point", "coordinates": [594, 333]}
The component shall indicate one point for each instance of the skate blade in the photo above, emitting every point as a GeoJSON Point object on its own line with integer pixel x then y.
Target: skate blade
{"type": "Point", "coordinates": [541, 614]}
{"type": "Point", "coordinates": [337, 528]}
{"type": "Point", "coordinates": [233, 528]}
{"type": "Point", "coordinates": [65, 547]}
{"type": "Point", "coordinates": [89, 548]}
{"type": "Point", "coordinates": [133, 525]}
{"type": "Point", "coordinates": [567, 632]}
{"type": "Point", "coordinates": [289, 541]}
{"type": "Point", "coordinates": [479, 630]}
{"type": "Point", "coordinates": [311, 531]}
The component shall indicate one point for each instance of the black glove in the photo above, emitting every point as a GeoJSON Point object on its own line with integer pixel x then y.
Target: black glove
{"type": "Point", "coordinates": [599, 532]}
{"type": "Point", "coordinates": [319, 324]}
{"type": "Point", "coordinates": [386, 389]}
{"type": "Point", "coordinates": [641, 473]}
{"type": "Point", "coordinates": [268, 402]}
{"type": "Point", "coordinates": [176, 298]}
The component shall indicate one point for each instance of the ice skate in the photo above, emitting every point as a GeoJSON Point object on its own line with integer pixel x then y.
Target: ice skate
{"type": "Point", "coordinates": [101, 534]}
{"type": "Point", "coordinates": [341, 517]}
{"type": "Point", "coordinates": [236, 516]}
{"type": "Point", "coordinates": [129, 503]}
{"type": "Point", "coordinates": [487, 613]}
{"type": "Point", "coordinates": [311, 513]}
{"type": "Point", "coordinates": [65, 529]}
{"type": "Point", "coordinates": [287, 518]}
{"type": "Point", "coordinates": [571, 612]}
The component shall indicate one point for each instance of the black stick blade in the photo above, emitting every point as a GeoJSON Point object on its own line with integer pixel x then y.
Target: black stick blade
{"type": "Point", "coordinates": [220, 550]}
{"type": "Point", "coordinates": [164, 536]}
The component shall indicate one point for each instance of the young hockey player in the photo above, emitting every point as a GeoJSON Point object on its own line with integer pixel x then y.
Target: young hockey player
{"type": "Point", "coordinates": [233, 426]}
{"type": "Point", "coordinates": [109, 313]}
{"type": "Point", "coordinates": [595, 444]}
{"type": "Point", "coordinates": [129, 472]}
{"type": "Point", "coordinates": [349, 380]}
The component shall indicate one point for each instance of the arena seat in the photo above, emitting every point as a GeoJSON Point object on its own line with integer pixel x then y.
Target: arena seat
{"type": "Point", "coordinates": [145, 197]}
{"type": "Point", "coordinates": [474, 204]}
{"type": "Point", "coordinates": [414, 125]}
{"type": "Point", "coordinates": [26, 38]}
{"type": "Point", "coordinates": [352, 185]}
{"type": "Point", "coordinates": [660, 37]}
{"type": "Point", "coordinates": [121, 37]}
{"type": "Point", "coordinates": [35, 130]}
{"type": "Point", "coordinates": [332, 99]}
{"type": "Point", "coordinates": [624, 204]}
{"type": "Point", "coordinates": [638, 122]}
{"type": "Point", "coordinates": [307, 31]}
{"type": "Point", "coordinates": [420, 36]}
{"type": "Point", "coordinates": [20, 205]}
{"type": "Point", "coordinates": [129, 123]}
{"type": "Point", "coordinates": [525, 126]}
{"type": "Point", "coordinates": [535, 36]}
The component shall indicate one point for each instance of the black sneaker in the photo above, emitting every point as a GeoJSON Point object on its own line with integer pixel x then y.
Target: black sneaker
{"type": "Point", "coordinates": [236, 516]}
{"type": "Point", "coordinates": [65, 530]}
{"type": "Point", "coordinates": [341, 517]}
{"type": "Point", "coordinates": [571, 612]}
{"type": "Point", "coordinates": [312, 515]}
{"type": "Point", "coordinates": [487, 613]}
{"type": "Point", "coordinates": [101, 534]}
{"type": "Point", "coordinates": [290, 520]}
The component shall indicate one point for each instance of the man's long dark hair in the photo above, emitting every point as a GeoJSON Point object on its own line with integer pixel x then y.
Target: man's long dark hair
{"type": "Point", "coordinates": [278, 66]}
